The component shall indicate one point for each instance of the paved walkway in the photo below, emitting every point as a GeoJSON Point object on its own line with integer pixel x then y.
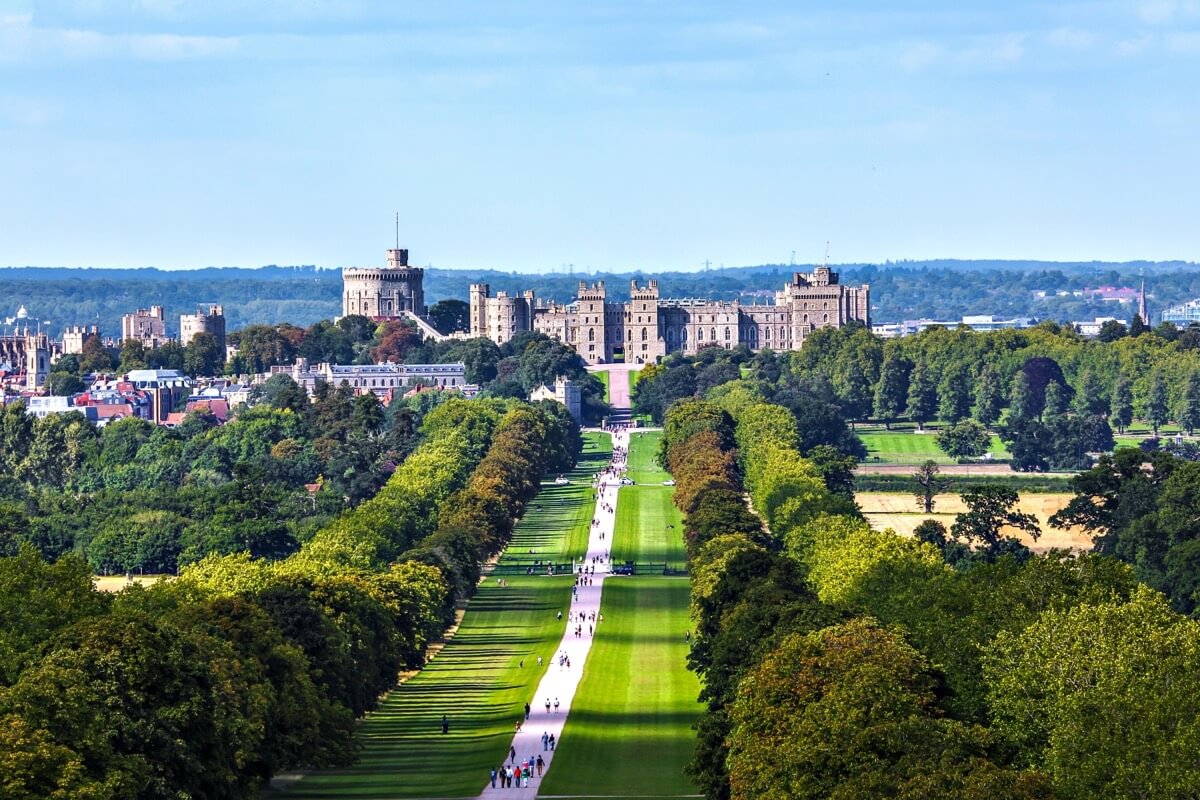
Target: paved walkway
{"type": "Point", "coordinates": [560, 682]}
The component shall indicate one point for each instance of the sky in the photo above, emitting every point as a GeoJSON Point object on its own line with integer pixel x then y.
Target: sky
{"type": "Point", "coordinates": [648, 134]}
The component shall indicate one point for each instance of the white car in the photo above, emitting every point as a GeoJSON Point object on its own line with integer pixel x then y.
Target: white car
{"type": "Point", "coordinates": [669, 482]}
{"type": "Point", "coordinates": [626, 482]}
{"type": "Point", "coordinates": [561, 481]}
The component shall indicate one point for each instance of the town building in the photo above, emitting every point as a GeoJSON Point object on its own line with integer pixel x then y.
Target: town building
{"type": "Point", "coordinates": [1092, 327]}
{"type": "Point", "coordinates": [378, 379]}
{"type": "Point", "coordinates": [168, 389]}
{"type": "Point", "coordinates": [648, 327]}
{"type": "Point", "coordinates": [208, 319]}
{"type": "Point", "coordinates": [29, 355]}
{"type": "Point", "coordinates": [564, 391]}
{"type": "Point", "coordinates": [148, 326]}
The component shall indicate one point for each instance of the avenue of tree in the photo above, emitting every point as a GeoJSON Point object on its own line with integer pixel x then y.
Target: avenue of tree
{"type": "Point", "coordinates": [842, 662]}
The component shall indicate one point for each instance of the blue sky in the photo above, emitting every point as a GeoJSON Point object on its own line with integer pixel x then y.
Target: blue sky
{"type": "Point", "coordinates": [613, 135]}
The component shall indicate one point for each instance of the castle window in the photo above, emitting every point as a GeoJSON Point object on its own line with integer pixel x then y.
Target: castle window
{"type": "Point", "coordinates": [713, 334]}
{"type": "Point", "coordinates": [825, 305]}
{"type": "Point", "coordinates": [826, 319]}
{"type": "Point", "coordinates": [700, 334]}
{"type": "Point", "coordinates": [643, 306]}
{"type": "Point", "coordinates": [781, 333]}
{"type": "Point", "coordinates": [643, 334]}
{"type": "Point", "coordinates": [727, 333]}
{"type": "Point", "coordinates": [767, 332]}
{"type": "Point", "coordinates": [806, 318]}
{"type": "Point", "coordinates": [591, 335]}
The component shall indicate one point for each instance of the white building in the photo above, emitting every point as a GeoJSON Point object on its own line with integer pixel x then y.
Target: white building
{"type": "Point", "coordinates": [1093, 328]}
{"type": "Point", "coordinates": [378, 379]}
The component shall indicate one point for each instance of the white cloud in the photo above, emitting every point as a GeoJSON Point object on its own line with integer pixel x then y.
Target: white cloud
{"type": "Point", "coordinates": [21, 40]}
{"type": "Point", "coordinates": [1161, 12]}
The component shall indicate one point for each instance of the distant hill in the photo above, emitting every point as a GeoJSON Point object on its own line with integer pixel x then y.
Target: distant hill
{"type": "Point", "coordinates": [940, 289]}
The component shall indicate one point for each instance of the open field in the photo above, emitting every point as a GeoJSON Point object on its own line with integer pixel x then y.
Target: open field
{"type": "Point", "coordinates": [898, 511]}
{"type": "Point", "coordinates": [630, 728]}
{"type": "Point", "coordinates": [643, 452]}
{"type": "Point", "coordinates": [477, 679]}
{"type": "Point", "coordinates": [116, 583]}
{"type": "Point", "coordinates": [910, 447]}
{"type": "Point", "coordinates": [648, 510]}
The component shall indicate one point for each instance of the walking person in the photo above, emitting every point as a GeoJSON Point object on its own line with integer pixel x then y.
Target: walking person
{"type": "Point", "coordinates": [555, 711]}
{"type": "Point", "coordinates": [546, 736]}
{"type": "Point", "coordinates": [547, 711]}
{"type": "Point", "coordinates": [445, 725]}
{"type": "Point", "coordinates": [493, 778]}
{"type": "Point", "coordinates": [527, 711]}
{"type": "Point", "coordinates": [540, 765]}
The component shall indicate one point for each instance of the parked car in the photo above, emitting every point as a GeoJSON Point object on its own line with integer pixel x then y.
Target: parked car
{"type": "Point", "coordinates": [626, 482]}
{"type": "Point", "coordinates": [669, 482]}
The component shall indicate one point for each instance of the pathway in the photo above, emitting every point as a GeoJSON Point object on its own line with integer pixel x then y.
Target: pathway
{"type": "Point", "coordinates": [560, 682]}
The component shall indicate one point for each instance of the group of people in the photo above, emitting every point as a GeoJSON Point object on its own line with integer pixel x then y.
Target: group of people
{"type": "Point", "coordinates": [513, 775]}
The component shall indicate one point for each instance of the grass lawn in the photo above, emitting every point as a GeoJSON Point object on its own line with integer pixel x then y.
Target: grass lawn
{"type": "Point", "coordinates": [476, 679]}
{"type": "Point", "coordinates": [648, 512]}
{"type": "Point", "coordinates": [630, 729]}
{"type": "Point", "coordinates": [896, 447]}
{"type": "Point", "coordinates": [643, 452]}
{"type": "Point", "coordinates": [603, 376]}
{"type": "Point", "coordinates": [634, 377]}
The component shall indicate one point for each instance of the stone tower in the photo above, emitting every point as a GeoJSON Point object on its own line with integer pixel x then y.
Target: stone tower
{"type": "Point", "coordinates": [643, 344]}
{"type": "Point", "coordinates": [593, 333]}
{"type": "Point", "coordinates": [37, 360]}
{"type": "Point", "coordinates": [384, 293]}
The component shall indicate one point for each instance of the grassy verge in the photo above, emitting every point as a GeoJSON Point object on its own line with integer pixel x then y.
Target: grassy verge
{"type": "Point", "coordinates": [477, 679]}
{"type": "Point", "coordinates": [643, 454]}
{"type": "Point", "coordinates": [603, 376]}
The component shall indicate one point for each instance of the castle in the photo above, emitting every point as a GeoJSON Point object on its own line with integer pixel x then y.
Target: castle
{"type": "Point", "coordinates": [648, 327]}
{"type": "Point", "coordinates": [394, 291]}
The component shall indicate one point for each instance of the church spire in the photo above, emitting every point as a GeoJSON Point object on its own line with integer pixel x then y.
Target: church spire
{"type": "Point", "coordinates": [1142, 302]}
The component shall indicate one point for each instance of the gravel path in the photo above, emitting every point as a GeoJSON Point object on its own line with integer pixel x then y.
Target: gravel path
{"type": "Point", "coordinates": [560, 682]}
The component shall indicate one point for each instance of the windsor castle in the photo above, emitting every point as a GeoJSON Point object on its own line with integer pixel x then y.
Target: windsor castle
{"type": "Point", "coordinates": [639, 331]}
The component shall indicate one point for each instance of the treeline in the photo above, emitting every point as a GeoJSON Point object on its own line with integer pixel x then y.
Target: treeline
{"type": "Point", "coordinates": [207, 685]}
{"type": "Point", "coordinates": [934, 289]}
{"type": "Point", "coordinates": [1053, 397]}
{"type": "Point", "coordinates": [838, 661]}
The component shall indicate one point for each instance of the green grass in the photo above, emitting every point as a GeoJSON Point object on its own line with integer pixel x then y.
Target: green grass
{"type": "Point", "coordinates": [477, 679]}
{"type": "Point", "coordinates": [630, 728]}
{"type": "Point", "coordinates": [648, 511]}
{"type": "Point", "coordinates": [642, 466]}
{"type": "Point", "coordinates": [897, 447]}
{"type": "Point", "coordinates": [603, 376]}
{"type": "Point", "coordinates": [634, 377]}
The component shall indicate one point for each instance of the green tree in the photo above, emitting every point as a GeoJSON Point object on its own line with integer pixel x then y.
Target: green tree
{"type": "Point", "coordinates": [853, 386]}
{"type": "Point", "coordinates": [964, 440]}
{"type": "Point", "coordinates": [1102, 697]}
{"type": "Point", "coordinates": [1023, 402]}
{"type": "Point", "coordinates": [1138, 326]}
{"type": "Point", "coordinates": [1122, 404]}
{"type": "Point", "coordinates": [891, 391]}
{"type": "Point", "coordinates": [922, 394]}
{"type": "Point", "coordinates": [850, 711]}
{"type": "Point", "coordinates": [1057, 400]}
{"type": "Point", "coordinates": [929, 485]}
{"type": "Point", "coordinates": [1189, 406]}
{"type": "Point", "coordinates": [203, 356]}
{"type": "Point", "coordinates": [450, 315]}
{"type": "Point", "coordinates": [1092, 398]}
{"type": "Point", "coordinates": [95, 356]}
{"type": "Point", "coordinates": [989, 395]}
{"type": "Point", "coordinates": [1111, 331]}
{"type": "Point", "coordinates": [133, 356]}
{"type": "Point", "coordinates": [1155, 409]}
{"type": "Point", "coordinates": [64, 384]}
{"type": "Point", "coordinates": [954, 393]}
{"type": "Point", "coordinates": [990, 509]}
